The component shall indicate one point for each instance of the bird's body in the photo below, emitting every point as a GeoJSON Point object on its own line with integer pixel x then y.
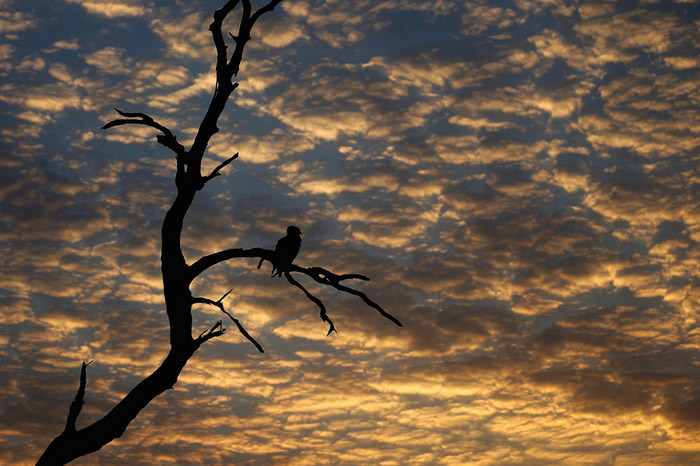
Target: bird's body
{"type": "Point", "coordinates": [286, 250]}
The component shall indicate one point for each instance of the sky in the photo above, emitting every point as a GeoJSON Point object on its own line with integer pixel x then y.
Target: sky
{"type": "Point", "coordinates": [519, 178]}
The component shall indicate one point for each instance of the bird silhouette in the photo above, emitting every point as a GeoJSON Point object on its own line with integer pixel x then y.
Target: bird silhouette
{"type": "Point", "coordinates": [286, 250]}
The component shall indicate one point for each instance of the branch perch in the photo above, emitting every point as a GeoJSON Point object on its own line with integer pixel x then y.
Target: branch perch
{"type": "Point", "coordinates": [318, 274]}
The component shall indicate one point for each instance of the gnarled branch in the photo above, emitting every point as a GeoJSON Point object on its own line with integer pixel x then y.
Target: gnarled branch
{"type": "Point", "coordinates": [177, 275]}
{"type": "Point", "coordinates": [211, 260]}
{"type": "Point", "coordinates": [167, 139]}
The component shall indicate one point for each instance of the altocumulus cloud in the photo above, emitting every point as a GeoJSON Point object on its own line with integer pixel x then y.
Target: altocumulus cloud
{"type": "Point", "coordinates": [520, 182]}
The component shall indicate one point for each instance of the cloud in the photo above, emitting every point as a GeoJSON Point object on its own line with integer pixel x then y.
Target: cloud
{"type": "Point", "coordinates": [67, 44]}
{"type": "Point", "coordinates": [109, 60]}
{"type": "Point", "coordinates": [192, 44]}
{"type": "Point", "coordinates": [518, 180]}
{"type": "Point", "coordinates": [12, 22]}
{"type": "Point", "coordinates": [279, 32]}
{"type": "Point", "coordinates": [112, 8]}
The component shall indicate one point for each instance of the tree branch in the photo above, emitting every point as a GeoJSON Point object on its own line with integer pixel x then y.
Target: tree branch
{"type": "Point", "coordinates": [326, 277]}
{"type": "Point", "coordinates": [220, 305]}
{"type": "Point", "coordinates": [77, 405]}
{"type": "Point", "coordinates": [318, 274]}
{"type": "Point", "coordinates": [247, 8]}
{"type": "Point", "coordinates": [216, 331]}
{"type": "Point", "coordinates": [319, 303]}
{"type": "Point", "coordinates": [216, 171]}
{"type": "Point", "coordinates": [212, 259]}
{"type": "Point", "coordinates": [226, 69]}
{"type": "Point", "coordinates": [269, 7]}
{"type": "Point", "coordinates": [167, 139]}
{"type": "Point", "coordinates": [215, 28]}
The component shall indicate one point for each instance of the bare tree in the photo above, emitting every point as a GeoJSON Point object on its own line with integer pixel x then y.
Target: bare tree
{"type": "Point", "coordinates": [178, 275]}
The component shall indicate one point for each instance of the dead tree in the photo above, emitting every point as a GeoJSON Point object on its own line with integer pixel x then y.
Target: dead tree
{"type": "Point", "coordinates": [178, 275]}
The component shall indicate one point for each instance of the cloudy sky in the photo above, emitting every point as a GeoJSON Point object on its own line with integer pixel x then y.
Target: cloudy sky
{"type": "Point", "coordinates": [519, 178]}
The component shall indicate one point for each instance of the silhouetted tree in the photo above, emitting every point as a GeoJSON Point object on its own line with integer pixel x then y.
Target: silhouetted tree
{"type": "Point", "coordinates": [177, 273]}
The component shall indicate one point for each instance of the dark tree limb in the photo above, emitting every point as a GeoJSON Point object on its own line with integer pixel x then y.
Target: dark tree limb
{"type": "Point", "coordinates": [206, 262]}
{"type": "Point", "coordinates": [319, 303]}
{"type": "Point", "coordinates": [267, 8]}
{"type": "Point", "coordinates": [220, 305]}
{"type": "Point", "coordinates": [247, 8]}
{"type": "Point", "coordinates": [226, 69]}
{"type": "Point", "coordinates": [318, 274]}
{"type": "Point", "coordinates": [73, 444]}
{"type": "Point", "coordinates": [216, 172]}
{"type": "Point", "coordinates": [167, 139]}
{"type": "Point", "coordinates": [326, 277]}
{"type": "Point", "coordinates": [215, 28]}
{"type": "Point", "coordinates": [216, 331]}
{"type": "Point", "coordinates": [77, 405]}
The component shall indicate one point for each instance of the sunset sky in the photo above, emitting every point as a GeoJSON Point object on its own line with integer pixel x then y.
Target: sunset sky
{"type": "Point", "coordinates": [519, 178]}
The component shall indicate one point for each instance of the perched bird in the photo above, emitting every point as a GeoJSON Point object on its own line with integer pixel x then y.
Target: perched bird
{"type": "Point", "coordinates": [286, 250]}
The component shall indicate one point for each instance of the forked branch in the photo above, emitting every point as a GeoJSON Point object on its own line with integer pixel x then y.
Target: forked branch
{"type": "Point", "coordinates": [318, 274]}
{"type": "Point", "coordinates": [318, 302]}
{"type": "Point", "coordinates": [215, 331]}
{"type": "Point", "coordinates": [177, 275]}
{"type": "Point", "coordinates": [326, 277]}
{"type": "Point", "coordinates": [216, 172]}
{"type": "Point", "coordinates": [215, 28]}
{"type": "Point", "coordinates": [220, 305]}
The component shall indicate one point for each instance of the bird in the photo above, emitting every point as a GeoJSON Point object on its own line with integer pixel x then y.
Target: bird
{"type": "Point", "coordinates": [286, 250]}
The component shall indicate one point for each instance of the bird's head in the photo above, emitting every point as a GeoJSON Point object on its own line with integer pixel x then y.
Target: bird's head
{"type": "Point", "coordinates": [292, 230]}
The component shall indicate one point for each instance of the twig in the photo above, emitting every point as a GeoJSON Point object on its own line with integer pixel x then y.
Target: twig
{"type": "Point", "coordinates": [269, 7]}
{"type": "Point", "coordinates": [216, 331]}
{"type": "Point", "coordinates": [216, 171]}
